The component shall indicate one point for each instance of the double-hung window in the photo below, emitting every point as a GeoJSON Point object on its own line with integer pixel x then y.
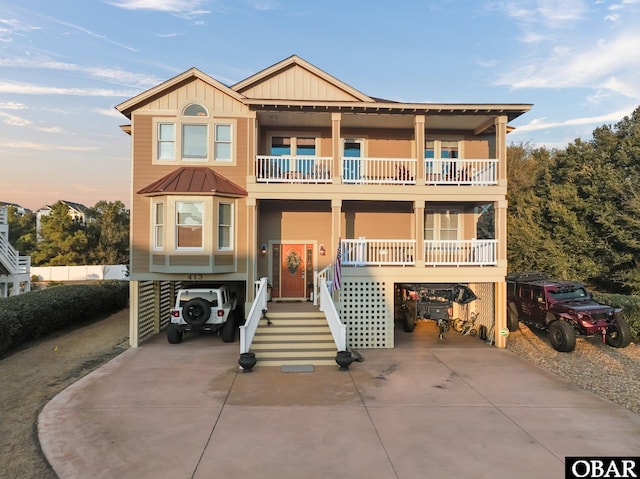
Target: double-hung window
{"type": "Point", "coordinates": [158, 226]}
{"type": "Point", "coordinates": [441, 224]}
{"type": "Point", "coordinates": [166, 142]}
{"type": "Point", "coordinates": [189, 224]}
{"type": "Point", "coordinates": [225, 226]}
{"type": "Point", "coordinates": [222, 142]}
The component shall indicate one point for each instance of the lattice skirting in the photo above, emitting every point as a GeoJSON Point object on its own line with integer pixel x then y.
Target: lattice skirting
{"type": "Point", "coordinates": [364, 308]}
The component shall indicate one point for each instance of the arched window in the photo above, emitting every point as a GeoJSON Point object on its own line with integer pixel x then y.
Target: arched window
{"type": "Point", "coordinates": [195, 109]}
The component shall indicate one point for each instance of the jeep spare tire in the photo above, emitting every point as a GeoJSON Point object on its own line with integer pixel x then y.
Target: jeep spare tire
{"type": "Point", "coordinates": [562, 336]}
{"type": "Point", "coordinates": [196, 312]}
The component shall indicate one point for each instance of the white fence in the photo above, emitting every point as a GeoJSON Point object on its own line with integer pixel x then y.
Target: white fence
{"type": "Point", "coordinates": [79, 273]}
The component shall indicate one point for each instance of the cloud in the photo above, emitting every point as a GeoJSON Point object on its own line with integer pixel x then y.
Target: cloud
{"type": "Point", "coordinates": [13, 120]}
{"type": "Point", "coordinates": [92, 34]}
{"type": "Point", "coordinates": [610, 64]}
{"type": "Point", "coordinates": [11, 105]}
{"type": "Point", "coordinates": [9, 27]}
{"type": "Point", "coordinates": [31, 89]}
{"type": "Point", "coordinates": [552, 13]}
{"type": "Point", "coordinates": [113, 75]}
{"type": "Point", "coordinates": [27, 145]}
{"type": "Point", "coordinates": [542, 124]}
{"type": "Point", "coordinates": [188, 9]}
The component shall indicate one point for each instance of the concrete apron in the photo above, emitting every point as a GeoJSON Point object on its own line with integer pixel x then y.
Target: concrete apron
{"type": "Point", "coordinates": [425, 409]}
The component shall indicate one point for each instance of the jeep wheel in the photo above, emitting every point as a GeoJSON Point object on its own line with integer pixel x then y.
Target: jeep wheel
{"type": "Point", "coordinates": [196, 312]}
{"type": "Point", "coordinates": [408, 322]}
{"type": "Point", "coordinates": [229, 330]}
{"type": "Point", "coordinates": [562, 336]}
{"type": "Point", "coordinates": [618, 334]}
{"type": "Point", "coordinates": [174, 335]}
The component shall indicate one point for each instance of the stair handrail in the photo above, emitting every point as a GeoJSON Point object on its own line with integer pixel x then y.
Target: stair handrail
{"type": "Point", "coordinates": [258, 308]}
{"type": "Point", "coordinates": [9, 255]}
{"type": "Point", "coordinates": [327, 306]}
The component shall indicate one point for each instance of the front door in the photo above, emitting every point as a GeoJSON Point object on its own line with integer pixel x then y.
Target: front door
{"type": "Point", "coordinates": [292, 271]}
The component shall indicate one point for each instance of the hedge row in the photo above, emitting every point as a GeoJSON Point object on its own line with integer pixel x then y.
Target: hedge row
{"type": "Point", "coordinates": [630, 309]}
{"type": "Point", "coordinates": [32, 315]}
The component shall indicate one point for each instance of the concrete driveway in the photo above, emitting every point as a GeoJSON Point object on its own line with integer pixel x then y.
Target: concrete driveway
{"type": "Point", "coordinates": [425, 409]}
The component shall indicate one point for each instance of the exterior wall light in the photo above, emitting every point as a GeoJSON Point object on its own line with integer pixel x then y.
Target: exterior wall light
{"type": "Point", "coordinates": [263, 249]}
{"type": "Point", "coordinates": [322, 250]}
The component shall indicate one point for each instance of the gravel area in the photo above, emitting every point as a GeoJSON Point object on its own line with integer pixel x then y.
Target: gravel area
{"type": "Point", "coordinates": [609, 372]}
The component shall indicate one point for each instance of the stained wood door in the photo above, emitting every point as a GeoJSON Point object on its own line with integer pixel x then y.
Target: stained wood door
{"type": "Point", "coordinates": [292, 270]}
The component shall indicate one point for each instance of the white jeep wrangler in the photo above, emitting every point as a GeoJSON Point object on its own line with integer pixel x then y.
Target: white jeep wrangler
{"type": "Point", "coordinates": [203, 309]}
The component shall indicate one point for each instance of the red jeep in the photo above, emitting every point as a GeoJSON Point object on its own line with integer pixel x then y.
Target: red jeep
{"type": "Point", "coordinates": [565, 309]}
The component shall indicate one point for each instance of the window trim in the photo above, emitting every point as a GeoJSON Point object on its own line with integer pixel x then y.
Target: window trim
{"type": "Point", "coordinates": [437, 222]}
{"type": "Point", "coordinates": [177, 225]}
{"type": "Point", "coordinates": [158, 227]}
{"type": "Point", "coordinates": [211, 122]}
{"type": "Point", "coordinates": [231, 226]}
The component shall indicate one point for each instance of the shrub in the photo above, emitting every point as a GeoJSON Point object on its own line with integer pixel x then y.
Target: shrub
{"type": "Point", "coordinates": [32, 315]}
{"type": "Point", "coordinates": [630, 308]}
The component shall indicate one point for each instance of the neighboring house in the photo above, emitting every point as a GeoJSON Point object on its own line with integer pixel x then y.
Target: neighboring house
{"type": "Point", "coordinates": [266, 177]}
{"type": "Point", "coordinates": [77, 211]}
{"type": "Point", "coordinates": [15, 274]}
{"type": "Point", "coordinates": [20, 210]}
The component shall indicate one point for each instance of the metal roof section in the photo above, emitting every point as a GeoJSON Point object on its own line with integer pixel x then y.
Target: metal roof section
{"type": "Point", "coordinates": [193, 181]}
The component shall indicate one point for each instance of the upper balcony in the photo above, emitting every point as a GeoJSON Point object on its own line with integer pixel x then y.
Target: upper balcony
{"type": "Point", "coordinates": [376, 171]}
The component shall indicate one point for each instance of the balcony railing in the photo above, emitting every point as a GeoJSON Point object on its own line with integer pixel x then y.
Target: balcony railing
{"type": "Point", "coordinates": [293, 169]}
{"type": "Point", "coordinates": [381, 252]}
{"type": "Point", "coordinates": [379, 171]}
{"type": "Point", "coordinates": [460, 252]}
{"type": "Point", "coordinates": [460, 172]}
{"type": "Point", "coordinates": [376, 171]}
{"type": "Point", "coordinates": [378, 252]}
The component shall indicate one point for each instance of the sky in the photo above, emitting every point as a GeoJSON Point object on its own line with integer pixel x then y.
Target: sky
{"type": "Point", "coordinates": [65, 65]}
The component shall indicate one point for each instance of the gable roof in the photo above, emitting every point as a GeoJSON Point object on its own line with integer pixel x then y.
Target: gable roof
{"type": "Point", "coordinates": [194, 180]}
{"type": "Point", "coordinates": [307, 69]}
{"type": "Point", "coordinates": [126, 107]}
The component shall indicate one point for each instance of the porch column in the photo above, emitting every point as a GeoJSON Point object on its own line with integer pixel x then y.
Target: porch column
{"type": "Point", "coordinates": [336, 230]}
{"type": "Point", "coordinates": [134, 305]}
{"type": "Point", "coordinates": [500, 308]}
{"type": "Point", "coordinates": [419, 125]}
{"type": "Point", "coordinates": [501, 149]}
{"type": "Point", "coordinates": [252, 147]}
{"type": "Point", "coordinates": [500, 208]}
{"type": "Point", "coordinates": [418, 213]}
{"type": "Point", "coordinates": [252, 248]}
{"type": "Point", "coordinates": [336, 119]}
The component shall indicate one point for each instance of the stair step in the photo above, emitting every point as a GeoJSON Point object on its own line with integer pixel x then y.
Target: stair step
{"type": "Point", "coordinates": [293, 336]}
{"type": "Point", "coordinates": [296, 361]}
{"type": "Point", "coordinates": [295, 353]}
{"type": "Point", "coordinates": [310, 346]}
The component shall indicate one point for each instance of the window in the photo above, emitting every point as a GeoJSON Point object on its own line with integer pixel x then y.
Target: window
{"type": "Point", "coordinates": [189, 226]}
{"type": "Point", "coordinates": [448, 225]}
{"type": "Point", "coordinates": [166, 141]}
{"type": "Point", "coordinates": [222, 142]}
{"type": "Point", "coordinates": [449, 149]}
{"type": "Point", "coordinates": [225, 226]}
{"type": "Point", "coordinates": [195, 110]}
{"type": "Point", "coordinates": [158, 225]}
{"type": "Point", "coordinates": [194, 142]}
{"type": "Point", "coordinates": [441, 224]}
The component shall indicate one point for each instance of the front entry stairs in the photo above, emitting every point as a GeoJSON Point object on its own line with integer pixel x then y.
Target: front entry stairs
{"type": "Point", "coordinates": [289, 335]}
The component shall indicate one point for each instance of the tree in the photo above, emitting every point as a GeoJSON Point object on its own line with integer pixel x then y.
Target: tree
{"type": "Point", "coordinates": [22, 230]}
{"type": "Point", "coordinates": [575, 213]}
{"type": "Point", "coordinates": [108, 233]}
{"type": "Point", "coordinates": [63, 239]}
